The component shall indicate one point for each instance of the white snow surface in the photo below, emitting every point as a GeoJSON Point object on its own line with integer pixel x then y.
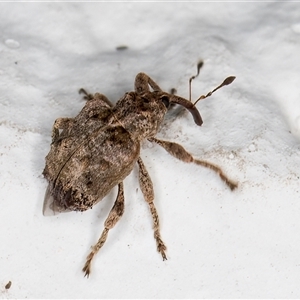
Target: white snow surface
{"type": "Point", "coordinates": [221, 244]}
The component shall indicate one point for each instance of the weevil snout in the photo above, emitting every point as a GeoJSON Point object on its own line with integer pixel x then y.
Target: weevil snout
{"type": "Point", "coordinates": [190, 107]}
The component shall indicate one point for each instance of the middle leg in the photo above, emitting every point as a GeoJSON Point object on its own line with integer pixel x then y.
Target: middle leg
{"type": "Point", "coordinates": [147, 190]}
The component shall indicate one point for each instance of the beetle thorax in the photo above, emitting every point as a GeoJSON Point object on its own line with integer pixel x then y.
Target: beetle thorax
{"type": "Point", "coordinates": [141, 115]}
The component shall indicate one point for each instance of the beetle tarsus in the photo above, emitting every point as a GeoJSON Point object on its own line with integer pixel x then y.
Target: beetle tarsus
{"type": "Point", "coordinates": [87, 267]}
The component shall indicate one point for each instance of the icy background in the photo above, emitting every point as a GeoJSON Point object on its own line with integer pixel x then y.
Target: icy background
{"type": "Point", "coordinates": [220, 243]}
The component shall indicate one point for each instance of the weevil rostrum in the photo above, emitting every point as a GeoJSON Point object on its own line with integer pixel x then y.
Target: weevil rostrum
{"type": "Point", "coordinates": [95, 151]}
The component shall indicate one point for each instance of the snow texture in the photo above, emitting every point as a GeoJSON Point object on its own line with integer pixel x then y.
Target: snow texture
{"type": "Point", "coordinates": [220, 243]}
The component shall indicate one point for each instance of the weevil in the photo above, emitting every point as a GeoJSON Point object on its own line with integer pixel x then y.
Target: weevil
{"type": "Point", "coordinates": [95, 151]}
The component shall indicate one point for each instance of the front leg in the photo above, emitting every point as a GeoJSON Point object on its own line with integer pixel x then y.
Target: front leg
{"type": "Point", "coordinates": [179, 152]}
{"type": "Point", "coordinates": [142, 82]}
{"type": "Point", "coordinates": [147, 190]}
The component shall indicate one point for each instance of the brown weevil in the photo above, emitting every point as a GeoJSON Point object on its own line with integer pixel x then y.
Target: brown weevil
{"type": "Point", "coordinates": [95, 151]}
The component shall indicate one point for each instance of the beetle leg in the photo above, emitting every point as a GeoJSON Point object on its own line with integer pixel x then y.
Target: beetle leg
{"type": "Point", "coordinates": [103, 98]}
{"type": "Point", "coordinates": [60, 124]}
{"type": "Point", "coordinates": [96, 96]}
{"type": "Point", "coordinates": [86, 96]}
{"type": "Point", "coordinates": [112, 219]}
{"type": "Point", "coordinates": [179, 152]}
{"type": "Point", "coordinates": [142, 82]}
{"type": "Point", "coordinates": [147, 190]}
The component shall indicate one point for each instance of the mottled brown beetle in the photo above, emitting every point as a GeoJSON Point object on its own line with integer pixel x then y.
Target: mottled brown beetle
{"type": "Point", "coordinates": [97, 150]}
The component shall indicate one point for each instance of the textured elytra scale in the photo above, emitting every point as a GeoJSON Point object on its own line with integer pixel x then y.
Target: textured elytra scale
{"type": "Point", "coordinates": [95, 151]}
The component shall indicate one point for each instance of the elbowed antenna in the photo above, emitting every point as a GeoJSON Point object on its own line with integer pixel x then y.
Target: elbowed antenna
{"type": "Point", "coordinates": [199, 66]}
{"type": "Point", "coordinates": [227, 81]}
{"type": "Point", "coordinates": [188, 104]}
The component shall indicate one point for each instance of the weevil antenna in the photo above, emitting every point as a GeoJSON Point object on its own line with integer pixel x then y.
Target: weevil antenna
{"type": "Point", "coordinates": [199, 66]}
{"type": "Point", "coordinates": [227, 81]}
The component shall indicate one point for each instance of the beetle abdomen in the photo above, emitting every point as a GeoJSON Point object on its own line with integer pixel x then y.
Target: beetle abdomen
{"type": "Point", "coordinates": [88, 174]}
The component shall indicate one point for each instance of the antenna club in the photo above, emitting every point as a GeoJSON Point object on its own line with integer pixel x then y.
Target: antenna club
{"type": "Point", "coordinates": [228, 80]}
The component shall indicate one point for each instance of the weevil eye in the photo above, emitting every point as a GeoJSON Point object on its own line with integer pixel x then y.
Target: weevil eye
{"type": "Point", "coordinates": [165, 101]}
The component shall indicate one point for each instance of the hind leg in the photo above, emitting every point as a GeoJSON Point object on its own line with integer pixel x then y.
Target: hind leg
{"type": "Point", "coordinates": [112, 219]}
